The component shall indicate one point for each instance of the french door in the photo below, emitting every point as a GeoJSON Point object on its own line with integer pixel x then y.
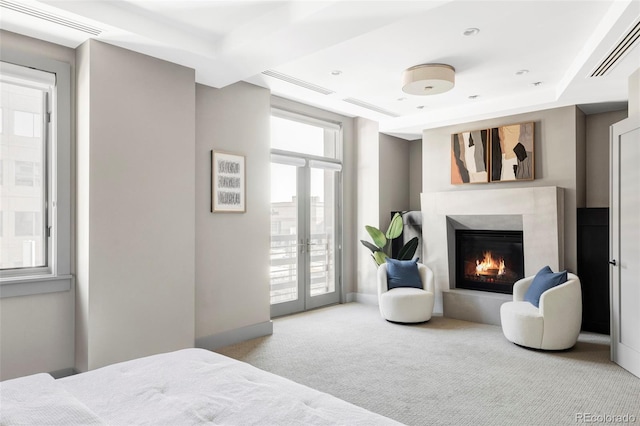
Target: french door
{"type": "Point", "coordinates": [304, 234]}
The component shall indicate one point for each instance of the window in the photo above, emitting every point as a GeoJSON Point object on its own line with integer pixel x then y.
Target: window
{"type": "Point", "coordinates": [27, 224]}
{"type": "Point", "coordinates": [35, 228]}
{"type": "Point", "coordinates": [27, 124]}
{"type": "Point", "coordinates": [27, 173]}
{"type": "Point", "coordinates": [25, 197]}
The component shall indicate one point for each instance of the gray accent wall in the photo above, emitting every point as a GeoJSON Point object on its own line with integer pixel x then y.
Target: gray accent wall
{"type": "Point", "coordinates": [597, 158]}
{"type": "Point", "coordinates": [383, 177]}
{"type": "Point", "coordinates": [394, 177]}
{"type": "Point", "coordinates": [415, 174]}
{"type": "Point", "coordinates": [135, 203]}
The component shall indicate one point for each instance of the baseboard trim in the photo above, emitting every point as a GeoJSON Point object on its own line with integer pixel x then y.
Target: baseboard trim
{"type": "Point", "coordinates": [367, 299]}
{"type": "Point", "coordinates": [231, 337]}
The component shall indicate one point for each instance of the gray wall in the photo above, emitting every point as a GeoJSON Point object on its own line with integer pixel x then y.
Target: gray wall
{"type": "Point", "coordinates": [383, 187]}
{"type": "Point", "coordinates": [368, 196]}
{"type": "Point", "coordinates": [232, 249]}
{"type": "Point", "coordinates": [597, 158]}
{"type": "Point", "coordinates": [135, 200]}
{"type": "Point", "coordinates": [394, 177]}
{"type": "Point", "coordinates": [37, 332]}
{"type": "Point", "coordinates": [581, 159]}
{"type": "Point", "coordinates": [415, 174]}
{"type": "Point", "coordinates": [634, 93]}
{"type": "Point", "coordinates": [556, 145]}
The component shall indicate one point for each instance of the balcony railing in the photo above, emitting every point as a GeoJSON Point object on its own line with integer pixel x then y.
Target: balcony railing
{"type": "Point", "coordinates": [285, 253]}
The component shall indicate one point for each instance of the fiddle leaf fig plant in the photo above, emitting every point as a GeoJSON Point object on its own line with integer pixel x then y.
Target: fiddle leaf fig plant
{"type": "Point", "coordinates": [381, 247]}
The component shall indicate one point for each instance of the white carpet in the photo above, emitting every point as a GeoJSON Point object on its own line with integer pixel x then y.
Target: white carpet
{"type": "Point", "coordinates": [444, 371]}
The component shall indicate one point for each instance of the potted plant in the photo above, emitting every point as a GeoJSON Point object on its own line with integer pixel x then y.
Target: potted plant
{"type": "Point", "coordinates": [381, 247]}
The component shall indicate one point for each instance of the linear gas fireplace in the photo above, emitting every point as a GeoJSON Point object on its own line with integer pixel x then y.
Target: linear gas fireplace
{"type": "Point", "coordinates": [488, 260]}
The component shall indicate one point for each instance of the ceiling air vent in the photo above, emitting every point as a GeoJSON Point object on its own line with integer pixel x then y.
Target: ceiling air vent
{"type": "Point", "coordinates": [618, 52]}
{"type": "Point", "coordinates": [298, 82]}
{"type": "Point", "coordinates": [40, 14]}
{"type": "Point", "coordinates": [371, 107]}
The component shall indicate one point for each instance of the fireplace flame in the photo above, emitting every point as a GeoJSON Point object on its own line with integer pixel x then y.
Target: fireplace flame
{"type": "Point", "coordinates": [489, 265]}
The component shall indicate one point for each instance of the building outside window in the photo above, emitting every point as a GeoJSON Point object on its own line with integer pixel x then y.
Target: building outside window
{"type": "Point", "coordinates": [25, 141]}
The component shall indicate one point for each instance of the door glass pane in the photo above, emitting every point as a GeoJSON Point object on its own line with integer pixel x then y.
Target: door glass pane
{"type": "Point", "coordinates": [322, 247]}
{"type": "Point", "coordinates": [284, 233]}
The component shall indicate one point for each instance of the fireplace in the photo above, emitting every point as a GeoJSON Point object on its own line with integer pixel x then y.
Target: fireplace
{"type": "Point", "coordinates": [488, 260]}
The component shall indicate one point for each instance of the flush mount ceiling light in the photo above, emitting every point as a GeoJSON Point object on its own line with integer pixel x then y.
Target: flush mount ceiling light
{"type": "Point", "coordinates": [428, 79]}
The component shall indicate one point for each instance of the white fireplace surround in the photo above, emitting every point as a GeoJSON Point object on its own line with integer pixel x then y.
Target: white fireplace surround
{"type": "Point", "coordinates": [537, 211]}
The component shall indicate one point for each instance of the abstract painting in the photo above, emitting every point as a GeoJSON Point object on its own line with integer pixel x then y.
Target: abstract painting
{"type": "Point", "coordinates": [227, 182]}
{"type": "Point", "coordinates": [469, 157]}
{"type": "Point", "coordinates": [511, 155]}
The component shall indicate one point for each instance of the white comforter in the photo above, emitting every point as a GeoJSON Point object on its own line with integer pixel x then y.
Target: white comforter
{"type": "Point", "coordinates": [195, 386]}
{"type": "Point", "coordinates": [40, 400]}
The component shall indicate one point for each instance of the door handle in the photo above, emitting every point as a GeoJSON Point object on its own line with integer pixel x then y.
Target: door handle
{"type": "Point", "coordinates": [613, 262]}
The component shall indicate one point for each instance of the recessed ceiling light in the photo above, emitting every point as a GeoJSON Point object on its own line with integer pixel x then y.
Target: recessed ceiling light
{"type": "Point", "coordinates": [473, 97]}
{"type": "Point", "coordinates": [471, 31]}
{"type": "Point", "coordinates": [537, 83]}
{"type": "Point", "coordinates": [336, 72]}
{"type": "Point", "coordinates": [522, 72]}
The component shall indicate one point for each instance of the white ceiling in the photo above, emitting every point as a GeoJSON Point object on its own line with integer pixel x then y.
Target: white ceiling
{"type": "Point", "coordinates": [371, 42]}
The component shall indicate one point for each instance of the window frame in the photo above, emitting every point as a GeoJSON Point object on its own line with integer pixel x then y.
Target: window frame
{"type": "Point", "coordinates": [56, 276]}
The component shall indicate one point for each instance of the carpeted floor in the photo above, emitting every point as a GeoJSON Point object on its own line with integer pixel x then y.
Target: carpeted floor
{"type": "Point", "coordinates": [445, 371]}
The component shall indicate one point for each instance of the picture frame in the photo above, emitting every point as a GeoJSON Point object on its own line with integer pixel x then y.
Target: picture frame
{"type": "Point", "coordinates": [469, 157]}
{"type": "Point", "coordinates": [512, 153]}
{"type": "Point", "coordinates": [228, 182]}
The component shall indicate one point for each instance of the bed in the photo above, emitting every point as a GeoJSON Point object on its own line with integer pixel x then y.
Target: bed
{"type": "Point", "coordinates": [186, 387]}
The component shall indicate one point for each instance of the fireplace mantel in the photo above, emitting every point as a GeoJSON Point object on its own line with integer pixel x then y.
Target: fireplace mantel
{"type": "Point", "coordinates": [537, 211]}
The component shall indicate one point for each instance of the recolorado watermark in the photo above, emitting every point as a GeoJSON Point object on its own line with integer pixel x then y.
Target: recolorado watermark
{"type": "Point", "coordinates": [606, 418]}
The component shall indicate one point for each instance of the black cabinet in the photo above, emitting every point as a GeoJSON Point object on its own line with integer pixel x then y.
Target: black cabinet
{"type": "Point", "coordinates": [593, 268]}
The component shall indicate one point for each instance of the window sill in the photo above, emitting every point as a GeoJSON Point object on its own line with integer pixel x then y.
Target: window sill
{"type": "Point", "coordinates": [31, 285]}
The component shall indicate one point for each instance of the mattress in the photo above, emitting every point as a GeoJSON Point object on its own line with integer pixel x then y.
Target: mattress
{"type": "Point", "coordinates": [196, 386]}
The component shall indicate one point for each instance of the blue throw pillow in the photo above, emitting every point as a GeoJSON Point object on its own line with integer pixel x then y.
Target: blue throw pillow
{"type": "Point", "coordinates": [543, 281]}
{"type": "Point", "coordinates": [403, 273]}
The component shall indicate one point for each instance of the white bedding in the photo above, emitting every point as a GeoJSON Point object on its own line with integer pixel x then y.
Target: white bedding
{"type": "Point", "coordinates": [40, 400]}
{"type": "Point", "coordinates": [195, 386]}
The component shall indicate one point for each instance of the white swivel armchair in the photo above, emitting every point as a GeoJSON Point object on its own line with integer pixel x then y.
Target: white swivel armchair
{"type": "Point", "coordinates": [554, 325]}
{"type": "Point", "coordinates": [406, 304]}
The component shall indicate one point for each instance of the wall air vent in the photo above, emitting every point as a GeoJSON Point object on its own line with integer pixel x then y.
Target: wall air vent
{"type": "Point", "coordinates": [40, 14]}
{"type": "Point", "coordinates": [298, 82]}
{"type": "Point", "coordinates": [616, 54]}
{"type": "Point", "coordinates": [370, 107]}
